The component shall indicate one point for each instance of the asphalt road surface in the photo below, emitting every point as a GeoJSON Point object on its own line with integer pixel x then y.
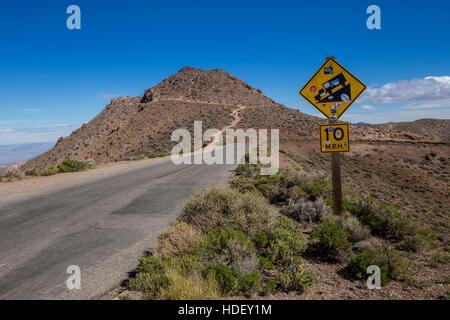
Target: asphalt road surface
{"type": "Point", "coordinates": [103, 225]}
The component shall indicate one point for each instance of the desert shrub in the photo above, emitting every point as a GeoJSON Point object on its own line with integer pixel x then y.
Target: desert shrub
{"type": "Point", "coordinates": [33, 172]}
{"type": "Point", "coordinates": [315, 185]}
{"type": "Point", "coordinates": [229, 247]}
{"type": "Point", "coordinates": [228, 208]}
{"type": "Point", "coordinates": [49, 171]}
{"type": "Point", "coordinates": [178, 240]}
{"type": "Point", "coordinates": [72, 166]}
{"type": "Point", "coordinates": [387, 222]}
{"type": "Point", "coordinates": [392, 265]}
{"type": "Point", "coordinates": [232, 281]}
{"type": "Point", "coordinates": [15, 173]}
{"type": "Point", "coordinates": [298, 280]}
{"type": "Point", "coordinates": [333, 241]}
{"type": "Point", "coordinates": [191, 286]}
{"type": "Point", "coordinates": [413, 243]}
{"type": "Point", "coordinates": [353, 226]}
{"type": "Point", "coordinates": [151, 277]}
{"type": "Point", "coordinates": [247, 170]}
{"type": "Point", "coordinates": [265, 263]}
{"type": "Point", "coordinates": [270, 287]}
{"type": "Point", "coordinates": [173, 278]}
{"type": "Point", "coordinates": [304, 211]}
{"type": "Point", "coordinates": [242, 184]}
{"type": "Point", "coordinates": [285, 242]}
{"type": "Point", "coordinates": [286, 185]}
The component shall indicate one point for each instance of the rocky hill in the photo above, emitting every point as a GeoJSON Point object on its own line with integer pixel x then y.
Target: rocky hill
{"type": "Point", "coordinates": [133, 126]}
{"type": "Point", "coordinates": [433, 129]}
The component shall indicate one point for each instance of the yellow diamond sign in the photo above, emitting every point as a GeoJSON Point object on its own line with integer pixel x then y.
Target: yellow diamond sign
{"type": "Point", "coordinates": [332, 89]}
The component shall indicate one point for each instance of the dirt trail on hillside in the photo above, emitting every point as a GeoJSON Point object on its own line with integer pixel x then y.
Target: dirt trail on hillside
{"type": "Point", "coordinates": [236, 120]}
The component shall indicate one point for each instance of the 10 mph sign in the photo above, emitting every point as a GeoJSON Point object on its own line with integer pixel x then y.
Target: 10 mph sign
{"type": "Point", "coordinates": [332, 89]}
{"type": "Point", "coordinates": [334, 138]}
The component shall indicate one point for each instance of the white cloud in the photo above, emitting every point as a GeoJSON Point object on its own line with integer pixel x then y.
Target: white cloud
{"type": "Point", "coordinates": [428, 105]}
{"type": "Point", "coordinates": [429, 88]}
{"type": "Point", "coordinates": [32, 110]}
{"type": "Point", "coordinates": [6, 130]}
{"type": "Point", "coordinates": [367, 107]}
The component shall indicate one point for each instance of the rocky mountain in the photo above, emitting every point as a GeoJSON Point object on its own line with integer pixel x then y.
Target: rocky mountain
{"type": "Point", "coordinates": [131, 126]}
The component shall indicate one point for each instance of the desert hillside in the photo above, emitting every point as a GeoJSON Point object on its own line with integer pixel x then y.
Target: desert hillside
{"type": "Point", "coordinates": [433, 129]}
{"type": "Point", "coordinates": [133, 126]}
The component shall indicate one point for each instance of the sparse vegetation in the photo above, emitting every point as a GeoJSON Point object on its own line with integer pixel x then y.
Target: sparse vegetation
{"type": "Point", "coordinates": [333, 242]}
{"type": "Point", "coordinates": [385, 221]}
{"type": "Point", "coordinates": [65, 166]}
{"type": "Point", "coordinates": [222, 206]}
{"type": "Point", "coordinates": [226, 243]}
{"type": "Point", "coordinates": [391, 263]}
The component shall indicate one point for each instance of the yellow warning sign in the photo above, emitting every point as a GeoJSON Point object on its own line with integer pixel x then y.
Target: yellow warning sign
{"type": "Point", "coordinates": [332, 89]}
{"type": "Point", "coordinates": [334, 138]}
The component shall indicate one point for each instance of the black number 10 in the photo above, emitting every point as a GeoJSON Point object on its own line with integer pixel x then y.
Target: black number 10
{"type": "Point", "coordinates": [338, 134]}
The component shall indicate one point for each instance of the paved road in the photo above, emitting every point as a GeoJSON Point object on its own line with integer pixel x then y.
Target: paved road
{"type": "Point", "coordinates": [101, 225]}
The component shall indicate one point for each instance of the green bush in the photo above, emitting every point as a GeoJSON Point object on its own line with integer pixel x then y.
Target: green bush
{"type": "Point", "coordinates": [242, 184]}
{"type": "Point", "coordinates": [286, 185]}
{"type": "Point", "coordinates": [49, 171]}
{"type": "Point", "coordinates": [298, 280]}
{"type": "Point", "coordinates": [232, 281]}
{"type": "Point", "coordinates": [228, 208]}
{"type": "Point", "coordinates": [72, 166]}
{"type": "Point", "coordinates": [265, 263]}
{"type": "Point", "coordinates": [385, 221]}
{"type": "Point", "coordinates": [285, 242]}
{"type": "Point", "coordinates": [151, 277]}
{"type": "Point", "coordinates": [412, 243]}
{"type": "Point", "coordinates": [225, 245]}
{"type": "Point", "coordinates": [332, 240]}
{"type": "Point", "coordinates": [270, 287]}
{"type": "Point", "coordinates": [390, 262]}
{"type": "Point", "coordinates": [352, 225]}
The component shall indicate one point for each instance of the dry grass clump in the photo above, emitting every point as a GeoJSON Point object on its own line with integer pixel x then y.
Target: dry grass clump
{"type": "Point", "coordinates": [191, 286]}
{"type": "Point", "coordinates": [222, 206]}
{"type": "Point", "coordinates": [358, 232]}
{"type": "Point", "coordinates": [177, 240]}
{"type": "Point", "coordinates": [307, 212]}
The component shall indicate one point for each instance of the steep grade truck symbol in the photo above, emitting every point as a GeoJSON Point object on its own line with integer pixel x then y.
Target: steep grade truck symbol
{"type": "Point", "coordinates": [327, 95]}
{"type": "Point", "coordinates": [332, 89]}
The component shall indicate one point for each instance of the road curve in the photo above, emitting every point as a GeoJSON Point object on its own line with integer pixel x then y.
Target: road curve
{"type": "Point", "coordinates": [102, 225]}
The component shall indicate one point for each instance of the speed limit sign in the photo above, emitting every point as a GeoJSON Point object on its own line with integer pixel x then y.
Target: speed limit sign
{"type": "Point", "coordinates": [334, 138]}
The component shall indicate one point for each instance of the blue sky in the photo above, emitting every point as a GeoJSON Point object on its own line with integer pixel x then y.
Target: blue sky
{"type": "Point", "coordinates": [53, 79]}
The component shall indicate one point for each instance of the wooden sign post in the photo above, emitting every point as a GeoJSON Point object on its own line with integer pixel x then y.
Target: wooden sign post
{"type": "Point", "coordinates": [336, 182]}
